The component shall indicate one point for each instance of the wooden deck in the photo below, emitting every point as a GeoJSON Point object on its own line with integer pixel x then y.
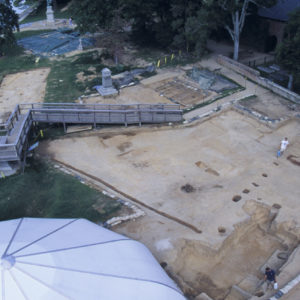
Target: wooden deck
{"type": "Point", "coordinates": [14, 133]}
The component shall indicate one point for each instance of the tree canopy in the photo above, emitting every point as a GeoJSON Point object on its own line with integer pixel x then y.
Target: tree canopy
{"type": "Point", "coordinates": [232, 14]}
{"type": "Point", "coordinates": [92, 15]}
{"type": "Point", "coordinates": [288, 53]}
{"type": "Point", "coordinates": [8, 23]}
{"type": "Point", "coordinates": [186, 24]}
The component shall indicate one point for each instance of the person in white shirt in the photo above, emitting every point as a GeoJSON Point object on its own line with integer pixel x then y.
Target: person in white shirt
{"type": "Point", "coordinates": [283, 144]}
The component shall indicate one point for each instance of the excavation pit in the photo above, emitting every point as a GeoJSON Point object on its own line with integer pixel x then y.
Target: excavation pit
{"type": "Point", "coordinates": [276, 206]}
{"type": "Point", "coordinates": [221, 230]}
{"type": "Point", "coordinates": [188, 188]}
{"type": "Point", "coordinates": [236, 198]}
{"type": "Point", "coordinates": [237, 147]}
{"type": "Point", "coordinates": [259, 294]}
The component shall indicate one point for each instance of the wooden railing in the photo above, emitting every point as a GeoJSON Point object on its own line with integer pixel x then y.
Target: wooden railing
{"type": "Point", "coordinates": [67, 113]}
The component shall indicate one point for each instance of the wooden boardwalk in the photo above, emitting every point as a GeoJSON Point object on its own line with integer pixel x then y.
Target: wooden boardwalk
{"type": "Point", "coordinates": [14, 133]}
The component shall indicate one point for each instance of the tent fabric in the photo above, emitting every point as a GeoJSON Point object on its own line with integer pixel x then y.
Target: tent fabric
{"type": "Point", "coordinates": [46, 259]}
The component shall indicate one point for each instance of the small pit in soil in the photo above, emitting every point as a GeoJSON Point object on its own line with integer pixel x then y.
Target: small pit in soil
{"type": "Point", "coordinates": [221, 229]}
{"type": "Point", "coordinates": [246, 191]}
{"type": "Point", "coordinates": [236, 198]}
{"type": "Point", "coordinates": [276, 206]}
{"type": "Point", "coordinates": [259, 294]}
{"type": "Point", "coordinates": [188, 188]}
{"type": "Point", "coordinates": [293, 160]}
{"type": "Point", "coordinates": [264, 175]}
{"type": "Point", "coordinates": [255, 184]}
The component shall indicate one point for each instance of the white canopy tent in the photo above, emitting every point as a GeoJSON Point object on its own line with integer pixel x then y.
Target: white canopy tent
{"type": "Point", "coordinates": [59, 259]}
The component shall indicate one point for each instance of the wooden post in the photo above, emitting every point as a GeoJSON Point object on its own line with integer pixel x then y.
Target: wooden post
{"type": "Point", "coordinates": [140, 118]}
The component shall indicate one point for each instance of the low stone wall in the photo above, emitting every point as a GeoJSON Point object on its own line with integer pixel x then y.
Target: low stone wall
{"type": "Point", "coordinates": [254, 75]}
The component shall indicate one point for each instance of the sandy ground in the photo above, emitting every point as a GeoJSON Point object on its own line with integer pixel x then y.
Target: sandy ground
{"type": "Point", "coordinates": [219, 158]}
{"type": "Point", "coordinates": [24, 87]}
{"type": "Point", "coordinates": [154, 166]}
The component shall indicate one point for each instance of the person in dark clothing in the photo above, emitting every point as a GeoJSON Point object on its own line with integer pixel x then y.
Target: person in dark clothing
{"type": "Point", "coordinates": [270, 277]}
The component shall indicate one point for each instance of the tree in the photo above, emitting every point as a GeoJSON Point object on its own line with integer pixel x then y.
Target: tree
{"type": "Point", "coordinates": [193, 23]}
{"type": "Point", "coordinates": [151, 20]}
{"type": "Point", "coordinates": [8, 23]}
{"type": "Point", "coordinates": [235, 12]}
{"type": "Point", "coordinates": [288, 53]}
{"type": "Point", "coordinates": [90, 16]}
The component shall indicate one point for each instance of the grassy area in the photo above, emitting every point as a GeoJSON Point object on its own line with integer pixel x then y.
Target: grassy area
{"type": "Point", "coordinates": [64, 86]}
{"type": "Point", "coordinates": [38, 14]}
{"type": "Point", "coordinates": [19, 63]}
{"type": "Point", "coordinates": [172, 59]}
{"type": "Point", "coordinates": [59, 14]}
{"type": "Point", "coordinates": [28, 33]}
{"type": "Point", "coordinates": [42, 191]}
{"type": "Point", "coordinates": [62, 82]}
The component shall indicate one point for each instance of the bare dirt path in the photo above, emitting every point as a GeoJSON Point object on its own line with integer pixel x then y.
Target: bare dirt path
{"type": "Point", "coordinates": [23, 87]}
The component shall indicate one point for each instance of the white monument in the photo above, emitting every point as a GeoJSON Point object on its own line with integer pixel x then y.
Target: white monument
{"type": "Point", "coordinates": [106, 89]}
{"type": "Point", "coordinates": [49, 13]}
{"type": "Point", "coordinates": [80, 47]}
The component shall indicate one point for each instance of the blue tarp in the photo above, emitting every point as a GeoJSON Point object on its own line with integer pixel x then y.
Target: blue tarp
{"type": "Point", "coordinates": [54, 43]}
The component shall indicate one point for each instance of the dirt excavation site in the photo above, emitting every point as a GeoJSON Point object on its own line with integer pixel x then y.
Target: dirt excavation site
{"type": "Point", "coordinates": [219, 205]}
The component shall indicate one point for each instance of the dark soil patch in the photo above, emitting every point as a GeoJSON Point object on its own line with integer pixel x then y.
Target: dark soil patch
{"type": "Point", "coordinates": [264, 175]}
{"type": "Point", "coordinates": [221, 229]}
{"type": "Point", "coordinates": [259, 294]}
{"type": "Point", "coordinates": [246, 191]}
{"type": "Point", "coordinates": [293, 160]}
{"type": "Point", "coordinates": [188, 188]}
{"type": "Point", "coordinates": [129, 133]}
{"type": "Point", "coordinates": [276, 206]}
{"type": "Point", "coordinates": [255, 184]}
{"type": "Point", "coordinates": [218, 186]}
{"type": "Point", "coordinates": [236, 198]}
{"type": "Point", "coordinates": [124, 146]}
{"type": "Point", "coordinates": [275, 163]}
{"type": "Point", "coordinates": [211, 171]}
{"type": "Point", "coordinates": [106, 137]}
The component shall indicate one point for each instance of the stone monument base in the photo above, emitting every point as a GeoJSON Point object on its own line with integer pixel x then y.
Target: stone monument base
{"type": "Point", "coordinates": [50, 15]}
{"type": "Point", "coordinates": [110, 91]}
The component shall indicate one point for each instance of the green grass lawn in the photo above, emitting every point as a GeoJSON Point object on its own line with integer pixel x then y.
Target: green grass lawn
{"type": "Point", "coordinates": [19, 63]}
{"type": "Point", "coordinates": [38, 14]}
{"type": "Point", "coordinates": [43, 191]}
{"type": "Point", "coordinates": [59, 14]}
{"type": "Point", "coordinates": [62, 84]}
{"type": "Point", "coordinates": [28, 33]}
